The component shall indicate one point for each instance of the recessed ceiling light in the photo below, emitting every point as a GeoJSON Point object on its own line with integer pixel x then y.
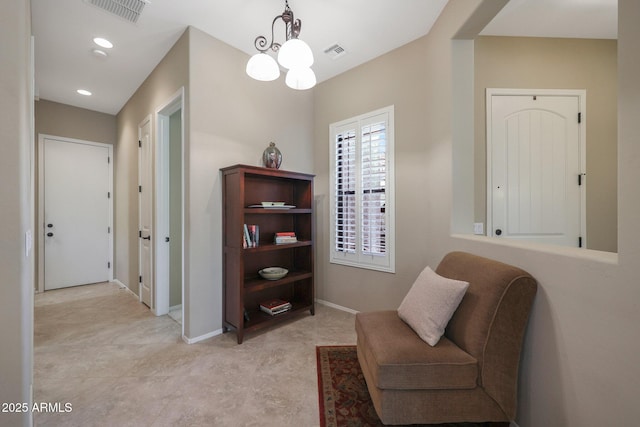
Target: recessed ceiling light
{"type": "Point", "coordinates": [103, 42]}
{"type": "Point", "coordinates": [84, 92]}
{"type": "Point", "coordinates": [99, 53]}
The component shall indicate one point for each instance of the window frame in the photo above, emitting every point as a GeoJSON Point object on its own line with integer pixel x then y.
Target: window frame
{"type": "Point", "coordinates": [386, 262]}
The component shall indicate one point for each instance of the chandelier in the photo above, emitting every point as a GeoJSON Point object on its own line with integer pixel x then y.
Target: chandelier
{"type": "Point", "coordinates": [294, 55]}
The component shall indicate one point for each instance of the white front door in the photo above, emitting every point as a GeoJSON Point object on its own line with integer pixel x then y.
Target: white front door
{"type": "Point", "coordinates": [145, 192]}
{"type": "Point", "coordinates": [535, 179]}
{"type": "Point", "coordinates": [76, 215]}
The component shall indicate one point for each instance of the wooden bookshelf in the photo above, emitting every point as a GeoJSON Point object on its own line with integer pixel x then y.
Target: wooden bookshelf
{"type": "Point", "coordinates": [243, 288]}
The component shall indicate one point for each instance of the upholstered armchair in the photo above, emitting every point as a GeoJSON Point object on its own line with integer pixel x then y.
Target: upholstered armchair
{"type": "Point", "coordinates": [471, 374]}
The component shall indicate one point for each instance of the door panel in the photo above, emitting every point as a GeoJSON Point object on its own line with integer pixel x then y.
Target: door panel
{"type": "Point", "coordinates": [76, 213]}
{"type": "Point", "coordinates": [145, 220]}
{"type": "Point", "coordinates": [535, 159]}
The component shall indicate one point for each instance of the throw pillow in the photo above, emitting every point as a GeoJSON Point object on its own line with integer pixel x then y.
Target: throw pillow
{"type": "Point", "coordinates": [430, 303]}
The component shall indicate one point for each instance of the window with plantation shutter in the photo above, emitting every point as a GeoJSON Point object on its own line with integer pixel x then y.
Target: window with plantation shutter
{"type": "Point", "coordinates": [362, 191]}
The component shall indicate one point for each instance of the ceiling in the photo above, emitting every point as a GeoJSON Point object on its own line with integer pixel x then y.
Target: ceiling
{"type": "Point", "coordinates": [63, 31]}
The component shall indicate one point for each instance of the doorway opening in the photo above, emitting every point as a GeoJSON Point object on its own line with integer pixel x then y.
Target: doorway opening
{"type": "Point", "coordinates": [169, 208]}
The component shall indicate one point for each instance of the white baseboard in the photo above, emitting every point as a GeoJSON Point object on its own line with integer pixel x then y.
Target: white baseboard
{"type": "Point", "coordinates": [123, 286]}
{"type": "Point", "coordinates": [336, 306]}
{"type": "Point", "coordinates": [201, 337]}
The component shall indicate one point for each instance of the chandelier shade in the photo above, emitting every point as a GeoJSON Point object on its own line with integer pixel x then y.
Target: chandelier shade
{"type": "Point", "coordinates": [263, 67]}
{"type": "Point", "coordinates": [294, 55]}
{"type": "Point", "coordinates": [300, 78]}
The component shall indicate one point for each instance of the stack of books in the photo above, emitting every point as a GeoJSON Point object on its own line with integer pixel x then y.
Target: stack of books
{"type": "Point", "coordinates": [285, 237]}
{"type": "Point", "coordinates": [275, 306]}
{"type": "Point", "coordinates": [250, 236]}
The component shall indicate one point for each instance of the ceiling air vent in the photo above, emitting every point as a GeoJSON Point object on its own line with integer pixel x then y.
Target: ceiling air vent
{"type": "Point", "coordinates": [126, 9]}
{"type": "Point", "coordinates": [335, 51]}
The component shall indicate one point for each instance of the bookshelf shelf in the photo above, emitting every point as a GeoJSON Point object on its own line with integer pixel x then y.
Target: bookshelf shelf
{"type": "Point", "coordinates": [243, 288]}
{"type": "Point", "coordinates": [259, 320]}
{"type": "Point", "coordinates": [258, 211]}
{"type": "Point", "coordinates": [257, 284]}
{"type": "Point", "coordinates": [279, 247]}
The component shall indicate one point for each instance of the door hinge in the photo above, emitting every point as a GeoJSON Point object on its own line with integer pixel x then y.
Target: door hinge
{"type": "Point", "coordinates": [580, 175]}
{"type": "Point", "coordinates": [140, 233]}
{"type": "Point", "coordinates": [140, 279]}
{"type": "Point", "coordinates": [580, 241]}
{"type": "Point", "coordinates": [108, 194]}
{"type": "Point", "coordinates": [109, 264]}
{"type": "Point", "coordinates": [108, 159]}
{"type": "Point", "coordinates": [579, 117]}
{"type": "Point", "coordinates": [139, 143]}
{"type": "Point", "coordinates": [139, 188]}
{"type": "Point", "coordinates": [108, 230]}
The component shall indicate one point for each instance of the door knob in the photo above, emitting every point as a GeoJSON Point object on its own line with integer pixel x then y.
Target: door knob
{"type": "Point", "coordinates": [49, 225]}
{"type": "Point", "coordinates": [498, 232]}
{"type": "Point", "coordinates": [49, 234]}
{"type": "Point", "coordinates": [146, 238]}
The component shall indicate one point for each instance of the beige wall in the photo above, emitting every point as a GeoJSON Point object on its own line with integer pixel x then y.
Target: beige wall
{"type": "Point", "coordinates": [578, 364]}
{"type": "Point", "coordinates": [540, 63]}
{"type": "Point", "coordinates": [57, 119]}
{"type": "Point", "coordinates": [233, 119]}
{"type": "Point", "coordinates": [166, 79]}
{"type": "Point", "coordinates": [16, 210]}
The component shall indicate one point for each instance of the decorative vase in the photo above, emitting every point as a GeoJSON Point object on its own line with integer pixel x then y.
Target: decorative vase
{"type": "Point", "coordinates": [272, 157]}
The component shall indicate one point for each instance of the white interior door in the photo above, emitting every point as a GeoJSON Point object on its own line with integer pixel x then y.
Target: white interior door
{"type": "Point", "coordinates": [145, 193]}
{"type": "Point", "coordinates": [76, 215]}
{"type": "Point", "coordinates": [536, 181]}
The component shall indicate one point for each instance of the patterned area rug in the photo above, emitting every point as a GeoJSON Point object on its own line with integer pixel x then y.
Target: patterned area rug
{"type": "Point", "coordinates": [344, 398]}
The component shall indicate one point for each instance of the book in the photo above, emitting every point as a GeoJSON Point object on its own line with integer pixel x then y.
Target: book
{"type": "Point", "coordinates": [254, 234]}
{"type": "Point", "coordinates": [274, 303]}
{"type": "Point", "coordinates": [284, 237]}
{"type": "Point", "coordinates": [275, 306]}
{"type": "Point", "coordinates": [247, 239]}
{"type": "Point", "coordinates": [251, 236]}
{"type": "Point", "coordinates": [276, 311]}
{"type": "Point", "coordinates": [284, 240]}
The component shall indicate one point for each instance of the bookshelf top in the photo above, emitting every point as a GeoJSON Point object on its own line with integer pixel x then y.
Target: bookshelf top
{"type": "Point", "coordinates": [257, 170]}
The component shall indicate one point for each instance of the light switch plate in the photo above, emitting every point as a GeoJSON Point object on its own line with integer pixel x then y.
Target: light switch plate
{"type": "Point", "coordinates": [28, 243]}
{"type": "Point", "coordinates": [478, 228]}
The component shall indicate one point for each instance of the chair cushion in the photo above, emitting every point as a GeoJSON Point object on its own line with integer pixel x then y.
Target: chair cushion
{"type": "Point", "coordinates": [430, 303]}
{"type": "Point", "coordinates": [399, 359]}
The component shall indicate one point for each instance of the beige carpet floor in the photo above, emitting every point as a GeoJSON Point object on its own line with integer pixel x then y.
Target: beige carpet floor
{"type": "Point", "coordinates": [99, 350]}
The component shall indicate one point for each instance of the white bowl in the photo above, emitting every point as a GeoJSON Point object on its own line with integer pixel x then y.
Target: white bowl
{"type": "Point", "coordinates": [273, 273]}
{"type": "Point", "coordinates": [271, 204]}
